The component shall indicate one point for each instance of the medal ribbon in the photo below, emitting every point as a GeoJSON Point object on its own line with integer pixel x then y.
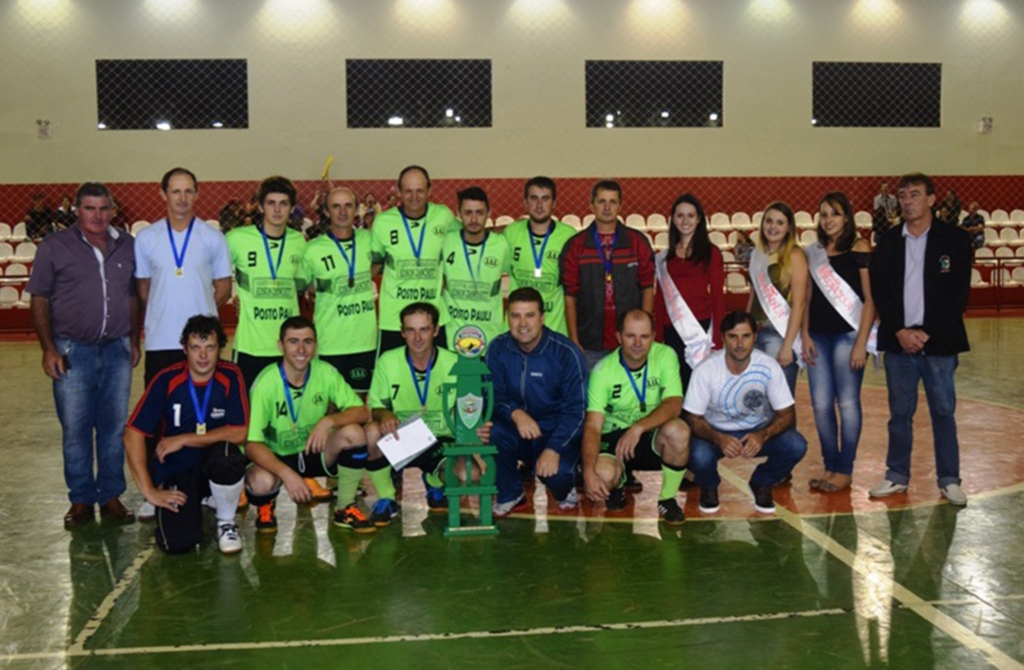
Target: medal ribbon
{"type": "Point", "coordinates": [200, 411]}
{"type": "Point", "coordinates": [422, 395]}
{"type": "Point", "coordinates": [416, 250]}
{"type": "Point", "coordinates": [351, 263]}
{"type": "Point", "coordinates": [288, 392]}
{"type": "Point", "coordinates": [640, 395]}
{"type": "Point", "coordinates": [179, 261]}
{"type": "Point", "coordinates": [280, 252]}
{"type": "Point", "coordinates": [480, 258]}
{"type": "Point", "coordinates": [538, 257]}
{"type": "Point", "coordinates": [606, 263]}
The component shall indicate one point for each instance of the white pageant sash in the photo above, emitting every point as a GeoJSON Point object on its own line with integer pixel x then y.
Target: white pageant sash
{"type": "Point", "coordinates": [697, 340]}
{"type": "Point", "coordinates": [772, 301]}
{"type": "Point", "coordinates": [838, 292]}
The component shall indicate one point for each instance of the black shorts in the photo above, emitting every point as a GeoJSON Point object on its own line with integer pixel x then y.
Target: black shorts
{"type": "Point", "coordinates": [644, 455]}
{"type": "Point", "coordinates": [252, 366]}
{"type": "Point", "coordinates": [357, 369]}
{"type": "Point", "coordinates": [310, 465]}
{"type": "Point", "coordinates": [392, 339]}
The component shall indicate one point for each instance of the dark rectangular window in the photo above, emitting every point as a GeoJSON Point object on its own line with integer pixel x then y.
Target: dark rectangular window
{"type": "Point", "coordinates": [877, 95]}
{"type": "Point", "coordinates": [383, 93]}
{"type": "Point", "coordinates": [654, 94]}
{"type": "Point", "coordinates": [172, 94]}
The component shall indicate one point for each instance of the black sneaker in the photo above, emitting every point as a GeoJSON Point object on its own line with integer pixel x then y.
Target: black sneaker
{"type": "Point", "coordinates": [633, 485]}
{"type": "Point", "coordinates": [352, 517]}
{"type": "Point", "coordinates": [708, 499]}
{"type": "Point", "coordinates": [616, 499]}
{"type": "Point", "coordinates": [671, 512]}
{"type": "Point", "coordinates": [763, 501]}
{"type": "Point", "coordinates": [384, 510]}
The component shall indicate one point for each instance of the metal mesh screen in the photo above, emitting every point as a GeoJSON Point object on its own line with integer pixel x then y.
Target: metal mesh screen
{"type": "Point", "coordinates": [654, 94]}
{"type": "Point", "coordinates": [877, 95]}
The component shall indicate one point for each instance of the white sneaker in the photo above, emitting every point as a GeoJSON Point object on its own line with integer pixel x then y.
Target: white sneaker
{"type": "Point", "coordinates": [954, 494]}
{"type": "Point", "coordinates": [146, 511]}
{"type": "Point", "coordinates": [505, 508]}
{"type": "Point", "coordinates": [228, 539]}
{"type": "Point", "coordinates": [571, 501]}
{"type": "Point", "coordinates": [886, 488]}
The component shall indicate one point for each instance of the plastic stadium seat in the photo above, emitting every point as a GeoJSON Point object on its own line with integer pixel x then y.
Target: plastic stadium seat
{"type": "Point", "coordinates": [1020, 252]}
{"type": "Point", "coordinates": [862, 219]}
{"type": "Point", "coordinates": [20, 232]}
{"type": "Point", "coordinates": [976, 280]}
{"type": "Point", "coordinates": [985, 215]}
{"type": "Point", "coordinates": [8, 297]}
{"type": "Point", "coordinates": [138, 227]}
{"type": "Point", "coordinates": [1006, 279]}
{"type": "Point", "coordinates": [636, 221]}
{"type": "Point", "coordinates": [657, 223]}
{"type": "Point", "coordinates": [808, 237]}
{"type": "Point", "coordinates": [718, 239]}
{"type": "Point", "coordinates": [756, 219]}
{"type": "Point", "coordinates": [741, 221]}
{"type": "Point", "coordinates": [6, 252]}
{"type": "Point", "coordinates": [661, 241]}
{"type": "Point", "coordinates": [1004, 252]}
{"type": "Point", "coordinates": [25, 253]}
{"type": "Point", "coordinates": [587, 220]}
{"type": "Point", "coordinates": [1000, 216]}
{"type": "Point", "coordinates": [1009, 236]}
{"type": "Point", "coordinates": [992, 238]}
{"type": "Point", "coordinates": [719, 221]}
{"type": "Point", "coordinates": [755, 237]}
{"type": "Point", "coordinates": [1018, 275]}
{"type": "Point", "coordinates": [16, 270]}
{"type": "Point", "coordinates": [503, 220]}
{"type": "Point", "coordinates": [572, 220]}
{"type": "Point", "coordinates": [5, 232]}
{"type": "Point", "coordinates": [735, 282]}
{"type": "Point", "coordinates": [25, 302]}
{"type": "Point", "coordinates": [804, 219]}
{"type": "Point", "coordinates": [728, 257]}
{"type": "Point", "coordinates": [984, 252]}
{"type": "Point", "coordinates": [734, 238]}
{"type": "Point", "coordinates": [1017, 216]}
{"type": "Point", "coordinates": [213, 223]}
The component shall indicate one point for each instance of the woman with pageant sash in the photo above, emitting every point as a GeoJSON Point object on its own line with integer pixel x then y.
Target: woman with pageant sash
{"type": "Point", "coordinates": [836, 337]}
{"type": "Point", "coordinates": [778, 280]}
{"type": "Point", "coordinates": [691, 287]}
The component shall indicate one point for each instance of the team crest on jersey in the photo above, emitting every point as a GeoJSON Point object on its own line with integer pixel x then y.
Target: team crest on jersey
{"type": "Point", "coordinates": [359, 373]}
{"type": "Point", "coordinates": [440, 230]}
{"type": "Point", "coordinates": [318, 399]}
{"type": "Point", "coordinates": [491, 262]}
{"type": "Point", "coordinates": [217, 413]}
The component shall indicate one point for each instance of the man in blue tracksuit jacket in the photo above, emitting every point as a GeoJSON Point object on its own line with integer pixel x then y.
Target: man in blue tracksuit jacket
{"type": "Point", "coordinates": [540, 401]}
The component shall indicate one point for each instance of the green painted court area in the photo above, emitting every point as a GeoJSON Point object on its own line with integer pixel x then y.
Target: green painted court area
{"type": "Point", "coordinates": [918, 585]}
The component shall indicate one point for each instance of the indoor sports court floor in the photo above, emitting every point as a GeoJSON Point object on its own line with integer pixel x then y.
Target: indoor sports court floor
{"type": "Point", "coordinates": [831, 581]}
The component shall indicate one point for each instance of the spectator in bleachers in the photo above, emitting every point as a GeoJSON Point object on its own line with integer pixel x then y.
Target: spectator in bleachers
{"type": "Point", "coordinates": [38, 219]}
{"type": "Point", "coordinates": [778, 279]}
{"type": "Point", "coordinates": [886, 202]}
{"type": "Point", "coordinates": [974, 224]}
{"type": "Point", "coordinates": [744, 247]}
{"type": "Point", "coordinates": [949, 210]}
{"type": "Point", "coordinates": [231, 215]}
{"type": "Point", "coordinates": [691, 287]}
{"type": "Point", "coordinates": [836, 333]}
{"type": "Point", "coordinates": [369, 209]}
{"type": "Point", "coordinates": [64, 216]}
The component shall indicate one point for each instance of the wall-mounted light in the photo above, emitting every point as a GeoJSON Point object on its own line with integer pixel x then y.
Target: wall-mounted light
{"type": "Point", "coordinates": [396, 121]}
{"type": "Point", "coordinates": [163, 125]}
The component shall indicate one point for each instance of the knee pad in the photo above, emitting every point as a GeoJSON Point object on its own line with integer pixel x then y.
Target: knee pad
{"type": "Point", "coordinates": [376, 464]}
{"type": "Point", "coordinates": [226, 465]}
{"type": "Point", "coordinates": [258, 500]}
{"type": "Point", "coordinates": [354, 459]}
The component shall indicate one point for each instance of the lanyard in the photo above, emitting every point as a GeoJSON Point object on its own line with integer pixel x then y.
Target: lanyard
{"type": "Point", "coordinates": [607, 263]}
{"type": "Point", "coordinates": [641, 395]}
{"type": "Point", "coordinates": [416, 250]}
{"type": "Point", "coordinates": [352, 262]}
{"type": "Point", "coordinates": [288, 393]}
{"type": "Point", "coordinates": [480, 258]}
{"type": "Point", "coordinates": [200, 411]}
{"type": "Point", "coordinates": [179, 261]}
{"type": "Point", "coordinates": [538, 257]}
{"type": "Point", "coordinates": [280, 252]}
{"type": "Point", "coordinates": [422, 395]}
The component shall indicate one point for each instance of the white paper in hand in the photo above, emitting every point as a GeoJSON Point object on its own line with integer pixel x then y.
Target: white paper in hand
{"type": "Point", "coordinates": [415, 437]}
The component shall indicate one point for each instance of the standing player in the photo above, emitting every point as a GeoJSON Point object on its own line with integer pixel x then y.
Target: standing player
{"type": "Point", "coordinates": [407, 244]}
{"type": "Point", "coordinates": [634, 399]}
{"type": "Point", "coordinates": [407, 381]}
{"type": "Point", "coordinates": [474, 261]}
{"type": "Point", "coordinates": [536, 243]}
{"type": "Point", "coordinates": [292, 435]}
{"type": "Point", "coordinates": [337, 266]}
{"type": "Point", "coordinates": [201, 409]}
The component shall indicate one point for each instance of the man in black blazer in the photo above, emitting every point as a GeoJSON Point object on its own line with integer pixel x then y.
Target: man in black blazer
{"type": "Point", "coordinates": [920, 281]}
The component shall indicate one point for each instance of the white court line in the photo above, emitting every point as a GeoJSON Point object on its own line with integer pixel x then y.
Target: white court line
{"type": "Point", "coordinates": [905, 596]}
{"type": "Point", "coordinates": [430, 637]}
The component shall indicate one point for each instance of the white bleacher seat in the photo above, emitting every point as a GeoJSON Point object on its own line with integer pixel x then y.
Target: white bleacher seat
{"type": "Point", "coordinates": [1000, 216]}
{"type": "Point", "coordinates": [755, 236]}
{"type": "Point", "coordinates": [503, 220]}
{"type": "Point", "coordinates": [992, 238]}
{"type": "Point", "coordinates": [661, 241]}
{"type": "Point", "coordinates": [6, 251]}
{"type": "Point", "coordinates": [25, 301]}
{"type": "Point", "coordinates": [804, 219]}
{"type": "Point", "coordinates": [657, 223]}
{"type": "Point", "coordinates": [138, 227]}
{"type": "Point", "coordinates": [862, 219]}
{"type": "Point", "coordinates": [213, 223]}
{"type": "Point", "coordinates": [808, 237]}
{"type": "Point", "coordinates": [8, 297]}
{"type": "Point", "coordinates": [756, 219]}
{"type": "Point", "coordinates": [735, 282]}
{"type": "Point", "coordinates": [976, 280]}
{"type": "Point", "coordinates": [24, 253]}
{"type": "Point", "coordinates": [718, 239]}
{"type": "Point", "coordinates": [5, 232]}
{"type": "Point", "coordinates": [20, 232]}
{"type": "Point", "coordinates": [1017, 216]}
{"type": "Point", "coordinates": [572, 220]}
{"type": "Point", "coordinates": [1018, 275]}
{"type": "Point", "coordinates": [985, 215]}
{"type": "Point", "coordinates": [16, 270]}
{"type": "Point", "coordinates": [719, 221]}
{"type": "Point", "coordinates": [741, 221]}
{"type": "Point", "coordinates": [728, 257]}
{"type": "Point", "coordinates": [489, 223]}
{"type": "Point", "coordinates": [587, 220]}
{"type": "Point", "coordinates": [734, 238]}
{"type": "Point", "coordinates": [1006, 279]}
{"type": "Point", "coordinates": [1020, 252]}
{"type": "Point", "coordinates": [1009, 237]}
{"type": "Point", "coordinates": [636, 221]}
{"type": "Point", "coordinates": [1004, 252]}
{"type": "Point", "coordinates": [984, 252]}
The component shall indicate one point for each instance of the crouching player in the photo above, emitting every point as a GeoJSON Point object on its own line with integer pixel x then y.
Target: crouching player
{"type": "Point", "coordinates": [202, 407]}
{"type": "Point", "coordinates": [634, 398]}
{"type": "Point", "coordinates": [293, 435]}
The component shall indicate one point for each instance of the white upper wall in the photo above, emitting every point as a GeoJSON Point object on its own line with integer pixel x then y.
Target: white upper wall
{"type": "Point", "coordinates": [296, 51]}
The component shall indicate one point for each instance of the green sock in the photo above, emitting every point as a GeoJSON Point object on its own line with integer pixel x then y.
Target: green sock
{"type": "Point", "coordinates": [382, 482]}
{"type": "Point", "coordinates": [348, 482]}
{"type": "Point", "coordinates": [671, 478]}
{"type": "Point", "coordinates": [434, 480]}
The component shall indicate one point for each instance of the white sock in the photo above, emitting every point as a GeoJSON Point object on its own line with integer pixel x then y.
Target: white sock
{"type": "Point", "coordinates": [225, 498]}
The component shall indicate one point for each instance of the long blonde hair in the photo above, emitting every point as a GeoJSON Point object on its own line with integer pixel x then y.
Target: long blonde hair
{"type": "Point", "coordinates": [785, 253]}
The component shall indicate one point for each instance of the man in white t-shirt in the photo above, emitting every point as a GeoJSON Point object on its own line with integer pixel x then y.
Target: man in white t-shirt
{"type": "Point", "coordinates": [739, 405]}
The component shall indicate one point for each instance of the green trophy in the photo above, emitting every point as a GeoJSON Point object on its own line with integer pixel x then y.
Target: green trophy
{"type": "Point", "coordinates": [474, 401]}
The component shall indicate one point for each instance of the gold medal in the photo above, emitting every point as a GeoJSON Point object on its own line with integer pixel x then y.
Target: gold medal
{"type": "Point", "coordinates": [179, 272]}
{"type": "Point", "coordinates": [608, 277]}
{"type": "Point", "coordinates": [537, 273]}
{"type": "Point", "coordinates": [295, 428]}
{"type": "Point", "coordinates": [200, 429]}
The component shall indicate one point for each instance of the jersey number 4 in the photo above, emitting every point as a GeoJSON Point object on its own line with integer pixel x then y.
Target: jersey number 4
{"type": "Point", "coordinates": [281, 409]}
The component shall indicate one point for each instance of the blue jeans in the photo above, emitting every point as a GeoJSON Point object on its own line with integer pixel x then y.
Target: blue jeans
{"type": "Point", "coordinates": [512, 449]}
{"type": "Point", "coordinates": [784, 451]}
{"type": "Point", "coordinates": [769, 341]}
{"type": "Point", "coordinates": [92, 400]}
{"type": "Point", "coordinates": [902, 374]}
{"type": "Point", "coordinates": [834, 383]}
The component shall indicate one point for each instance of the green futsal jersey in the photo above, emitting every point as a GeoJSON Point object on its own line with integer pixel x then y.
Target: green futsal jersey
{"type": "Point", "coordinates": [611, 393]}
{"type": "Point", "coordinates": [345, 314]}
{"type": "Point", "coordinates": [472, 284]}
{"type": "Point", "coordinates": [527, 250]}
{"type": "Point", "coordinates": [268, 277]}
{"type": "Point", "coordinates": [270, 419]}
{"type": "Point", "coordinates": [393, 388]}
{"type": "Point", "coordinates": [408, 279]}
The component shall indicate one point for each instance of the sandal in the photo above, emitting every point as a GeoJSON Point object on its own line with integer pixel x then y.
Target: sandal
{"type": "Point", "coordinates": [832, 487]}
